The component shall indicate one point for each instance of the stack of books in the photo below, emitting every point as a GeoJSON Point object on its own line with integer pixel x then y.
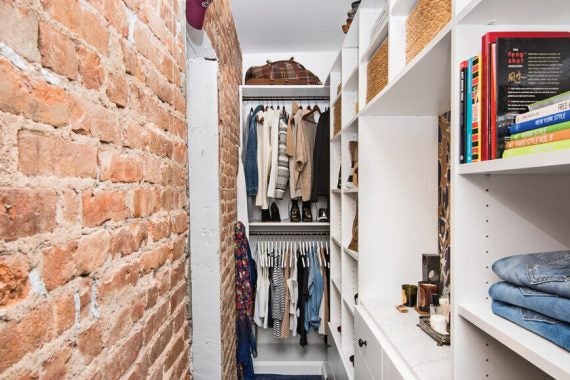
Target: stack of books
{"type": "Point", "coordinates": [516, 74]}
{"type": "Point", "coordinates": [546, 127]}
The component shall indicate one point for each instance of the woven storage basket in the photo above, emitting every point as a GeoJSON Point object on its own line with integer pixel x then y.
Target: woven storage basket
{"type": "Point", "coordinates": [377, 71]}
{"type": "Point", "coordinates": [337, 115]}
{"type": "Point", "coordinates": [424, 22]}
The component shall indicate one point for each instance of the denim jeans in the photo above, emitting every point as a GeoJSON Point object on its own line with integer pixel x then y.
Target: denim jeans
{"type": "Point", "coordinates": [555, 331]}
{"type": "Point", "coordinates": [250, 164]}
{"type": "Point", "coordinates": [312, 318]}
{"type": "Point", "coordinates": [548, 304]}
{"type": "Point", "coordinates": [548, 272]}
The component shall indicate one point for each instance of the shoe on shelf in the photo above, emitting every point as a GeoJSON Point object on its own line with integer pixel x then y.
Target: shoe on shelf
{"type": "Point", "coordinates": [265, 215]}
{"type": "Point", "coordinates": [338, 185]}
{"type": "Point", "coordinates": [275, 216]}
{"type": "Point", "coordinates": [295, 213]}
{"type": "Point", "coordinates": [323, 217]}
{"type": "Point", "coordinates": [307, 214]}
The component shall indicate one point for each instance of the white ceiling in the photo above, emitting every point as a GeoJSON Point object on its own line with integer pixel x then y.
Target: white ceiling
{"type": "Point", "coordinates": [289, 25]}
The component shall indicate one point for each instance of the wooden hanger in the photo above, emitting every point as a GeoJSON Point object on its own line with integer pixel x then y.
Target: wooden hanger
{"type": "Point", "coordinates": [315, 109]}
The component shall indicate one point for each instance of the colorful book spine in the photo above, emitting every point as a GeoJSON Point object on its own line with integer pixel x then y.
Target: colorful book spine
{"type": "Point", "coordinates": [492, 123]}
{"type": "Point", "coordinates": [540, 139]}
{"type": "Point", "coordinates": [547, 102]}
{"type": "Point", "coordinates": [542, 148]}
{"type": "Point", "coordinates": [476, 110]}
{"type": "Point", "coordinates": [462, 127]}
{"type": "Point", "coordinates": [544, 111]}
{"type": "Point", "coordinates": [540, 131]}
{"type": "Point", "coordinates": [468, 114]}
{"type": "Point", "coordinates": [540, 122]}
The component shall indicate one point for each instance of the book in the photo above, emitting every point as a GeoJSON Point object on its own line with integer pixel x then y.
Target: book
{"type": "Point", "coordinates": [477, 146]}
{"type": "Point", "coordinates": [539, 139]}
{"type": "Point", "coordinates": [544, 111]}
{"type": "Point", "coordinates": [462, 127]}
{"type": "Point", "coordinates": [545, 121]}
{"type": "Point", "coordinates": [547, 102]}
{"type": "Point", "coordinates": [468, 112]}
{"type": "Point", "coordinates": [540, 131]}
{"type": "Point", "coordinates": [542, 148]}
{"type": "Point", "coordinates": [488, 49]}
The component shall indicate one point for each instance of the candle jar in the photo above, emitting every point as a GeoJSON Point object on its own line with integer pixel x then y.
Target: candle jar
{"type": "Point", "coordinates": [409, 295]}
{"type": "Point", "coordinates": [426, 289]}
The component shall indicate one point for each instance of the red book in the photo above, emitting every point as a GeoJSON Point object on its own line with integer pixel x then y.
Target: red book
{"type": "Point", "coordinates": [488, 127]}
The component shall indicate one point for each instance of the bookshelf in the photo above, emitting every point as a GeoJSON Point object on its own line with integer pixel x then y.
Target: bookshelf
{"type": "Point", "coordinates": [498, 208]}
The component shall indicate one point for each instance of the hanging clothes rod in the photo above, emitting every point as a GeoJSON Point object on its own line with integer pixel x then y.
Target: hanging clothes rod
{"type": "Point", "coordinates": [285, 98]}
{"type": "Point", "coordinates": [255, 233]}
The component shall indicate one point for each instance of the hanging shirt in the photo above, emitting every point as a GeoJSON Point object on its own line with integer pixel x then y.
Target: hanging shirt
{"type": "Point", "coordinates": [263, 156]}
{"type": "Point", "coordinates": [293, 286]}
{"type": "Point", "coordinates": [274, 155]}
{"type": "Point", "coordinates": [306, 133]}
{"type": "Point", "coordinates": [278, 304]}
{"type": "Point", "coordinates": [292, 128]}
{"type": "Point", "coordinates": [286, 275]}
{"type": "Point", "coordinates": [321, 159]}
{"type": "Point", "coordinates": [282, 159]}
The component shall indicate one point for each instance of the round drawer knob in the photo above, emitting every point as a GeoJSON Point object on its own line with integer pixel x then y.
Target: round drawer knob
{"type": "Point", "coordinates": [361, 342]}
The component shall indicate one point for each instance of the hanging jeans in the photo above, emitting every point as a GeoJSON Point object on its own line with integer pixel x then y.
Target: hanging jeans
{"type": "Point", "coordinates": [312, 318]}
{"type": "Point", "coordinates": [548, 272]}
{"type": "Point", "coordinates": [555, 331]}
{"type": "Point", "coordinates": [544, 303]}
{"type": "Point", "coordinates": [250, 164]}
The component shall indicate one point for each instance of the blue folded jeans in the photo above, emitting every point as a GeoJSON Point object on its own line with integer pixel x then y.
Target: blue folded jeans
{"type": "Point", "coordinates": [548, 272]}
{"type": "Point", "coordinates": [548, 304]}
{"type": "Point", "coordinates": [555, 331]}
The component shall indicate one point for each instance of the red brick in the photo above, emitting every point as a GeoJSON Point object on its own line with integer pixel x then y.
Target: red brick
{"type": "Point", "coordinates": [178, 127]}
{"type": "Point", "coordinates": [179, 248]}
{"type": "Point", "coordinates": [180, 370]}
{"type": "Point", "coordinates": [152, 296]}
{"type": "Point", "coordinates": [170, 70]}
{"type": "Point", "coordinates": [115, 13]}
{"type": "Point", "coordinates": [134, 135]}
{"type": "Point", "coordinates": [180, 223]}
{"type": "Point", "coordinates": [163, 278]}
{"type": "Point", "coordinates": [151, 17]}
{"type": "Point", "coordinates": [156, 320]}
{"type": "Point", "coordinates": [26, 212]}
{"type": "Point", "coordinates": [40, 154]}
{"type": "Point", "coordinates": [92, 251]}
{"type": "Point", "coordinates": [159, 228]}
{"type": "Point", "coordinates": [152, 169]}
{"type": "Point", "coordinates": [36, 100]}
{"type": "Point", "coordinates": [159, 144]}
{"type": "Point", "coordinates": [90, 341]}
{"type": "Point", "coordinates": [56, 366]}
{"type": "Point", "coordinates": [119, 278]}
{"type": "Point", "coordinates": [101, 206]}
{"type": "Point", "coordinates": [81, 21]}
{"type": "Point", "coordinates": [173, 353]}
{"type": "Point", "coordinates": [58, 51]}
{"type": "Point", "coordinates": [120, 168]}
{"type": "Point", "coordinates": [95, 120]}
{"type": "Point", "coordinates": [128, 239]}
{"type": "Point", "coordinates": [118, 89]}
{"type": "Point", "coordinates": [25, 335]}
{"type": "Point", "coordinates": [70, 201]}
{"type": "Point", "coordinates": [14, 284]}
{"type": "Point", "coordinates": [179, 153]}
{"type": "Point", "coordinates": [146, 202]}
{"type": "Point", "coordinates": [90, 69]}
{"type": "Point", "coordinates": [169, 199]}
{"type": "Point", "coordinates": [58, 264]}
{"type": "Point", "coordinates": [178, 298]}
{"type": "Point", "coordinates": [160, 343]}
{"type": "Point", "coordinates": [180, 318]}
{"type": "Point", "coordinates": [64, 312]}
{"type": "Point", "coordinates": [159, 85]}
{"type": "Point", "coordinates": [147, 43]}
{"type": "Point", "coordinates": [19, 30]}
{"type": "Point", "coordinates": [133, 64]}
{"type": "Point", "coordinates": [124, 320]}
{"type": "Point", "coordinates": [178, 273]}
{"type": "Point", "coordinates": [154, 259]}
{"type": "Point", "coordinates": [124, 356]}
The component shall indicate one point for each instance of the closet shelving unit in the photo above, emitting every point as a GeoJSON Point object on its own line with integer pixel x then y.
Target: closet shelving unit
{"type": "Point", "coordinates": [499, 208]}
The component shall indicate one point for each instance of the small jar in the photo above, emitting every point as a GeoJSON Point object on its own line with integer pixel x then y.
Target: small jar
{"type": "Point", "coordinates": [409, 295]}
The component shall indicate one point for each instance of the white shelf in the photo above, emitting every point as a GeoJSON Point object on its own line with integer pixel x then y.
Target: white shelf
{"type": "Point", "coordinates": [375, 41]}
{"type": "Point", "coordinates": [350, 127]}
{"type": "Point", "coordinates": [337, 98]}
{"type": "Point", "coordinates": [350, 306]}
{"type": "Point", "coordinates": [336, 241]}
{"type": "Point", "coordinates": [406, 343]}
{"type": "Point", "coordinates": [285, 91]}
{"type": "Point", "coordinates": [547, 356]}
{"type": "Point", "coordinates": [336, 191]}
{"type": "Point", "coordinates": [337, 341]}
{"type": "Point", "coordinates": [351, 83]}
{"type": "Point", "coordinates": [336, 284]}
{"type": "Point", "coordinates": [402, 7]}
{"type": "Point", "coordinates": [351, 253]}
{"type": "Point", "coordinates": [515, 12]}
{"type": "Point", "coordinates": [557, 162]}
{"type": "Point", "coordinates": [354, 190]}
{"type": "Point", "coordinates": [422, 88]}
{"type": "Point", "coordinates": [288, 226]}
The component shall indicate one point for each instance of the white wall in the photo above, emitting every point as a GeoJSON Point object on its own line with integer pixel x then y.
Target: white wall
{"type": "Point", "coordinates": [319, 62]}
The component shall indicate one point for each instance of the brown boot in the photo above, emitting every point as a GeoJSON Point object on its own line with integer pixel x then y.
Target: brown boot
{"type": "Point", "coordinates": [353, 177]}
{"type": "Point", "coordinates": [353, 246]}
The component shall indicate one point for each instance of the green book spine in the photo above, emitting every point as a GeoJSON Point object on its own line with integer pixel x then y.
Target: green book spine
{"type": "Point", "coordinates": [549, 147]}
{"type": "Point", "coordinates": [541, 131]}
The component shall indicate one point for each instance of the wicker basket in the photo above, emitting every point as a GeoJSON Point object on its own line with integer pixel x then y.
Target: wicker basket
{"type": "Point", "coordinates": [377, 71]}
{"type": "Point", "coordinates": [424, 22]}
{"type": "Point", "coordinates": [337, 115]}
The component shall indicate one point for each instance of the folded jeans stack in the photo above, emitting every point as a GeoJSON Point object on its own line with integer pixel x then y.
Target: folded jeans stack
{"type": "Point", "coordinates": [535, 294]}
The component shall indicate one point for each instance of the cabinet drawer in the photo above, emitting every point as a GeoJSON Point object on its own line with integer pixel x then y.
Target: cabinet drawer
{"type": "Point", "coordinates": [389, 370]}
{"type": "Point", "coordinates": [361, 370]}
{"type": "Point", "coordinates": [372, 351]}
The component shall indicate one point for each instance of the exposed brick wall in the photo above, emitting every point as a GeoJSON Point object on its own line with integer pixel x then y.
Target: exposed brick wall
{"type": "Point", "coordinates": [219, 25]}
{"type": "Point", "coordinates": [93, 190]}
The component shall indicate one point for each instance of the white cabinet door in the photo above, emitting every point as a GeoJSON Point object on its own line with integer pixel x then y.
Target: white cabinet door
{"type": "Point", "coordinates": [368, 345]}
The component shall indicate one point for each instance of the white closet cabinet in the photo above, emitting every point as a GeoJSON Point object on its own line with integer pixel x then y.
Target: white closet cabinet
{"type": "Point", "coordinates": [499, 208]}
